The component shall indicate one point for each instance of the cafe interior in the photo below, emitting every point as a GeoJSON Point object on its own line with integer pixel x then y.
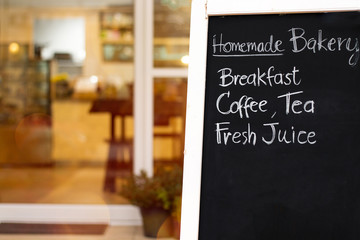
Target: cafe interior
{"type": "Point", "coordinates": [91, 92]}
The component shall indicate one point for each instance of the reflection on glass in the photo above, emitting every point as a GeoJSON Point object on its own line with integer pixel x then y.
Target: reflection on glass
{"type": "Point", "coordinates": [169, 121]}
{"type": "Point", "coordinates": [171, 32]}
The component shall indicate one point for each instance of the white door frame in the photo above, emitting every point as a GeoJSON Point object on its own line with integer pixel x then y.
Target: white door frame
{"type": "Point", "coordinates": [143, 114]}
{"type": "Point", "coordinates": [102, 213]}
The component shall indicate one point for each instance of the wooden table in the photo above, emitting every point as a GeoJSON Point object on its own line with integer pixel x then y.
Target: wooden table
{"type": "Point", "coordinates": [123, 108]}
{"type": "Point", "coordinates": [117, 108]}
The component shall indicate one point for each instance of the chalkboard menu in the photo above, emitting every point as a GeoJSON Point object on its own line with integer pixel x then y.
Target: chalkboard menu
{"type": "Point", "coordinates": [281, 146]}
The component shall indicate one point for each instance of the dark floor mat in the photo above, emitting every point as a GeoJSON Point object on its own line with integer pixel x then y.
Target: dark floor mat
{"type": "Point", "coordinates": [21, 228]}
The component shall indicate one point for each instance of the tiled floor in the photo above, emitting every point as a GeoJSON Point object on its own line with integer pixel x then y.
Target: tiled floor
{"type": "Point", "coordinates": [112, 233]}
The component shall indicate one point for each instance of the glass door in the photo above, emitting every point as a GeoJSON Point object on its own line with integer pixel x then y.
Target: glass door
{"type": "Point", "coordinates": [66, 101]}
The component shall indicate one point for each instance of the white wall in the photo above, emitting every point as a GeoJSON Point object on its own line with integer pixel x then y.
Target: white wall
{"type": "Point", "coordinates": [61, 35]}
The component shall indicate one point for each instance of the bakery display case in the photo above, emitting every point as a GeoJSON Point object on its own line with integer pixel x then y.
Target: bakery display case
{"type": "Point", "coordinates": [24, 90]}
{"type": "Point", "coordinates": [25, 109]}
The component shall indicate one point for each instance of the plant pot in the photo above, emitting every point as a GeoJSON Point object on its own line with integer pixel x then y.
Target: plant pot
{"type": "Point", "coordinates": [156, 222]}
{"type": "Point", "coordinates": [176, 228]}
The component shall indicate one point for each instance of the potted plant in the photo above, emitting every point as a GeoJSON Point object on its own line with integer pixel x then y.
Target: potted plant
{"type": "Point", "coordinates": [159, 199]}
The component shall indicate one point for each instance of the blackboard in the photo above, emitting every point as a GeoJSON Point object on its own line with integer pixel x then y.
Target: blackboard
{"type": "Point", "coordinates": [281, 143]}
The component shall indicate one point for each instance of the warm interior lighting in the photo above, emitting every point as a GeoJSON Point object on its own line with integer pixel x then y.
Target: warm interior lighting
{"type": "Point", "coordinates": [185, 59]}
{"type": "Point", "coordinates": [14, 48]}
{"type": "Point", "coordinates": [94, 79]}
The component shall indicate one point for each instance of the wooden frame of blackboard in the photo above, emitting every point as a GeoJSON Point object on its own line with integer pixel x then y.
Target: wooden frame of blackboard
{"type": "Point", "coordinates": [201, 9]}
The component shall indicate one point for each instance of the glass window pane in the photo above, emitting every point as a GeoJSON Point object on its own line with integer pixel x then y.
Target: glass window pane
{"type": "Point", "coordinates": [171, 33]}
{"type": "Point", "coordinates": [169, 121]}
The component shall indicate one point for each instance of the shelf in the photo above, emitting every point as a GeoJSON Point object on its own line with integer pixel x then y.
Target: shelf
{"type": "Point", "coordinates": [171, 41]}
{"type": "Point", "coordinates": [119, 42]}
{"type": "Point", "coordinates": [117, 34]}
